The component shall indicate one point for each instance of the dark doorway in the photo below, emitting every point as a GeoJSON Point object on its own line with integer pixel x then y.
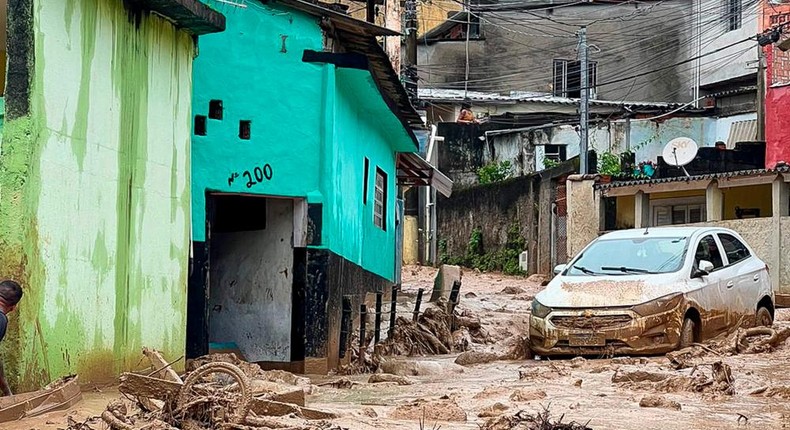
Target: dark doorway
{"type": "Point", "coordinates": [246, 283]}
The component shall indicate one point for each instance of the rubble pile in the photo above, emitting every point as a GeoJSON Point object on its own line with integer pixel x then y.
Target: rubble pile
{"type": "Point", "coordinates": [525, 421]}
{"type": "Point", "coordinates": [742, 341]}
{"type": "Point", "coordinates": [718, 380]}
{"type": "Point", "coordinates": [442, 409]}
{"type": "Point", "coordinates": [219, 391]}
{"type": "Point", "coordinates": [440, 329]}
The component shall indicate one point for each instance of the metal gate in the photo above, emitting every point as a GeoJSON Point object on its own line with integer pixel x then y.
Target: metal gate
{"type": "Point", "coordinates": [559, 224]}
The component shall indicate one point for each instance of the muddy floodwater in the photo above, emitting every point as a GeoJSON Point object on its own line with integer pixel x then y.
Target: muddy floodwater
{"type": "Point", "coordinates": [752, 390]}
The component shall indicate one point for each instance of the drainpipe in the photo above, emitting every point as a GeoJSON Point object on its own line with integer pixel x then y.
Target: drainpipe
{"type": "Point", "coordinates": [628, 133]}
{"type": "Point", "coordinates": [761, 95]}
{"type": "Point", "coordinates": [553, 237]}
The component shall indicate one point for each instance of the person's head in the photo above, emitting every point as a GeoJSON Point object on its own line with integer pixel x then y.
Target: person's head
{"type": "Point", "coordinates": [466, 104]}
{"type": "Point", "coordinates": [10, 295]}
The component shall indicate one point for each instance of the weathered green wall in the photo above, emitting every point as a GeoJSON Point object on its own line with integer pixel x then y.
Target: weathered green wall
{"type": "Point", "coordinates": [94, 195]}
{"type": "Point", "coordinates": [312, 123]}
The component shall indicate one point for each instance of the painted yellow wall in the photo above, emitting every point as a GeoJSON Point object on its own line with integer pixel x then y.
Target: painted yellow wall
{"type": "Point", "coordinates": [410, 239]}
{"type": "Point", "coordinates": [626, 212]}
{"type": "Point", "coordinates": [431, 14]}
{"type": "Point", "coordinates": [755, 196]}
{"type": "Point", "coordinates": [677, 194]}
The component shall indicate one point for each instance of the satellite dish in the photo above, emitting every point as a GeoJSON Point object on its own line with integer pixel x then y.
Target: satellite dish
{"type": "Point", "coordinates": [679, 152]}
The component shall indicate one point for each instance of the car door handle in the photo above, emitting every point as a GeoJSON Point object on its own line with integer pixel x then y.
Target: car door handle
{"type": "Point", "coordinates": [756, 278]}
{"type": "Point", "coordinates": [730, 284]}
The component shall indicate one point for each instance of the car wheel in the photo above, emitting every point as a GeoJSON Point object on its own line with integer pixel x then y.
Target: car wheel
{"type": "Point", "coordinates": [687, 333]}
{"type": "Point", "coordinates": [764, 318]}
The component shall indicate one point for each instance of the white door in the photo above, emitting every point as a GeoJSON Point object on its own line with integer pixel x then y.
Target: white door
{"type": "Point", "coordinates": [710, 291]}
{"type": "Point", "coordinates": [748, 273]}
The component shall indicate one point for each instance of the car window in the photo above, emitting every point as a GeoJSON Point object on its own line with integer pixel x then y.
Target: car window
{"type": "Point", "coordinates": [708, 250]}
{"type": "Point", "coordinates": [734, 248]}
{"type": "Point", "coordinates": [631, 256]}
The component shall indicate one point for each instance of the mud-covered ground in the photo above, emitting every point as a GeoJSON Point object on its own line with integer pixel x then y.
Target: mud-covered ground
{"type": "Point", "coordinates": [454, 397]}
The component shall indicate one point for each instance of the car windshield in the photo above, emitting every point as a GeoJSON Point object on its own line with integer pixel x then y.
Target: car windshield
{"type": "Point", "coordinates": [631, 256]}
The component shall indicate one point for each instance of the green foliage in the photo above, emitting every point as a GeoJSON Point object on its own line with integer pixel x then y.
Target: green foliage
{"type": "Point", "coordinates": [550, 163]}
{"type": "Point", "coordinates": [609, 164]}
{"type": "Point", "coordinates": [494, 172]}
{"type": "Point", "coordinates": [504, 260]}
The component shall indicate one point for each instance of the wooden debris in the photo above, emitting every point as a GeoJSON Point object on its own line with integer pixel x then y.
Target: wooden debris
{"type": "Point", "coordinates": [60, 395]}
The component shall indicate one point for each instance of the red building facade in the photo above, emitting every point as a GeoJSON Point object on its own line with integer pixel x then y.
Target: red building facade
{"type": "Point", "coordinates": [777, 79]}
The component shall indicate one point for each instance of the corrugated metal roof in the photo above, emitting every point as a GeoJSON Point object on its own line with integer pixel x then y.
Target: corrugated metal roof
{"type": "Point", "coordinates": [451, 95]}
{"type": "Point", "coordinates": [742, 131]}
{"type": "Point", "coordinates": [707, 176]}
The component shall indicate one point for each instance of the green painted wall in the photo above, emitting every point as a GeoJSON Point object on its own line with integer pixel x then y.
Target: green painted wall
{"type": "Point", "coordinates": [94, 194]}
{"type": "Point", "coordinates": [312, 123]}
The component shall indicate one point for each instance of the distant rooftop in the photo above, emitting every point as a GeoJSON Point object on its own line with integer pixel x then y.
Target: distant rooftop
{"type": "Point", "coordinates": [451, 95]}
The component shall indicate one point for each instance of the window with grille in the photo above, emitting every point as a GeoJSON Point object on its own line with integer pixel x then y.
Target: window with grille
{"type": "Point", "coordinates": [734, 14]}
{"type": "Point", "coordinates": [684, 212]}
{"type": "Point", "coordinates": [380, 200]}
{"type": "Point", "coordinates": [567, 78]}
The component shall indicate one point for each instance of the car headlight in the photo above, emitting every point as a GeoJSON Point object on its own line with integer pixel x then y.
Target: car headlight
{"type": "Point", "coordinates": [659, 305]}
{"type": "Point", "coordinates": [538, 310]}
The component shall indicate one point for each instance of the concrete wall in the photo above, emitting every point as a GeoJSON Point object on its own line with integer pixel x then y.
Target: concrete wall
{"type": "Point", "coordinates": [515, 148]}
{"type": "Point", "coordinates": [252, 286]}
{"type": "Point", "coordinates": [584, 214]}
{"type": "Point", "coordinates": [312, 124]}
{"type": "Point", "coordinates": [517, 50]}
{"type": "Point", "coordinates": [493, 208]}
{"type": "Point", "coordinates": [94, 190]}
{"type": "Point", "coordinates": [711, 33]}
{"type": "Point", "coordinates": [784, 243]}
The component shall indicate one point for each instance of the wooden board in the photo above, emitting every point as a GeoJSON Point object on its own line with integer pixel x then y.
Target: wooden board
{"type": "Point", "coordinates": [61, 395]}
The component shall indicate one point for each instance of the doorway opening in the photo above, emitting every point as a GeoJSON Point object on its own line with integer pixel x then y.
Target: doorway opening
{"type": "Point", "coordinates": [249, 287]}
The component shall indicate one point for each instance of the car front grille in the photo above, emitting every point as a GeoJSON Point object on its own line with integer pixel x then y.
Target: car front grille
{"type": "Point", "coordinates": [593, 322]}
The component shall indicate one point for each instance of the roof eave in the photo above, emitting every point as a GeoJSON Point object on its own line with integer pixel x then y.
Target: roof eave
{"type": "Point", "coordinates": [190, 15]}
{"type": "Point", "coordinates": [340, 20]}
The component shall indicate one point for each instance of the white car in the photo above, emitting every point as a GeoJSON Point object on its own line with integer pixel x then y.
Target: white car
{"type": "Point", "coordinates": [649, 291]}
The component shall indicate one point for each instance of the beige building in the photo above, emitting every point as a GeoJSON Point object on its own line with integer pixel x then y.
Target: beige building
{"type": "Point", "coordinates": [754, 203]}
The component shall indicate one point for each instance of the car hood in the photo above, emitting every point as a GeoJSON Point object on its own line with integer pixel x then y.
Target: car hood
{"type": "Point", "coordinates": [597, 291]}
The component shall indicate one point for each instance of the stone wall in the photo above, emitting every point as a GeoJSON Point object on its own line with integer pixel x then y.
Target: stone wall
{"type": "Point", "coordinates": [493, 208]}
{"type": "Point", "coordinates": [584, 214]}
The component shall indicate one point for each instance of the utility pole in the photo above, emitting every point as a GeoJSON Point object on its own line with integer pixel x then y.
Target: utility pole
{"type": "Point", "coordinates": [760, 94]}
{"type": "Point", "coordinates": [585, 102]}
{"type": "Point", "coordinates": [370, 11]}
{"type": "Point", "coordinates": [410, 67]}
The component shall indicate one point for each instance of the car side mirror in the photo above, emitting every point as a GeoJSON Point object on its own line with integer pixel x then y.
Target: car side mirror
{"type": "Point", "coordinates": [703, 269]}
{"type": "Point", "coordinates": [560, 268]}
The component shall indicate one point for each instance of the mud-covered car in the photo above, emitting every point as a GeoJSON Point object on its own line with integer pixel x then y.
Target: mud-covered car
{"type": "Point", "coordinates": [649, 291]}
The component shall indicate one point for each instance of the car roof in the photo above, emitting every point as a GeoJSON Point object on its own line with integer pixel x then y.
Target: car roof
{"type": "Point", "coordinates": [659, 232]}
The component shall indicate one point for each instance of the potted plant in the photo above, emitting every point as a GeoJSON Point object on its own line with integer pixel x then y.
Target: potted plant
{"type": "Point", "coordinates": [608, 166]}
{"type": "Point", "coordinates": [645, 170]}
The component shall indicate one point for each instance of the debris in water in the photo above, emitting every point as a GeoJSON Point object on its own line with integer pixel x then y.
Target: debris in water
{"type": "Point", "coordinates": [527, 395]}
{"type": "Point", "coordinates": [470, 358]}
{"type": "Point", "coordinates": [494, 410]}
{"type": "Point", "coordinates": [655, 401]}
{"type": "Point", "coordinates": [386, 377]}
{"type": "Point", "coordinates": [512, 290]}
{"type": "Point", "coordinates": [525, 421]}
{"type": "Point", "coordinates": [431, 410]}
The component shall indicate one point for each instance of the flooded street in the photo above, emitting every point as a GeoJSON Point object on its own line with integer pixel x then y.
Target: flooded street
{"type": "Point", "coordinates": [579, 390]}
{"type": "Point", "coordinates": [607, 393]}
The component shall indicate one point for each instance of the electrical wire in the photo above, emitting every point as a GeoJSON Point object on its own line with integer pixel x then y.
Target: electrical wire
{"type": "Point", "coordinates": [670, 46]}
